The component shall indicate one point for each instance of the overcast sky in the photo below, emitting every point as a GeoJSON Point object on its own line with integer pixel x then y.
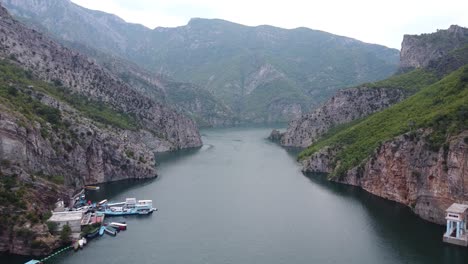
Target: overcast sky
{"type": "Point", "coordinates": [381, 22]}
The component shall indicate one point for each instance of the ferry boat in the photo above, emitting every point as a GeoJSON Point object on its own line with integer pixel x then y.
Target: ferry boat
{"type": "Point", "coordinates": [130, 207]}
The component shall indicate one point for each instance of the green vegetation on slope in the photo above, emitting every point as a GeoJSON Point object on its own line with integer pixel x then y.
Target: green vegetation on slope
{"type": "Point", "coordinates": [441, 106]}
{"type": "Point", "coordinates": [412, 81]}
{"type": "Point", "coordinates": [273, 93]}
{"type": "Point", "coordinates": [14, 92]}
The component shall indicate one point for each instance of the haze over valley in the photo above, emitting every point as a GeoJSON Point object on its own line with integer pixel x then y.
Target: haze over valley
{"type": "Point", "coordinates": [232, 143]}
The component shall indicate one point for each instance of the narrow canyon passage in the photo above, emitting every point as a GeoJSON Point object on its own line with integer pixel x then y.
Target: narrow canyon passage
{"type": "Point", "coordinates": [243, 199]}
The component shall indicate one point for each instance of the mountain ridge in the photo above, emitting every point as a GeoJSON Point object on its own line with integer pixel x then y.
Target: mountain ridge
{"type": "Point", "coordinates": [225, 58]}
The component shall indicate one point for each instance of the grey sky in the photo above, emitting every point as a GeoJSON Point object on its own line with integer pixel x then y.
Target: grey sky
{"type": "Point", "coordinates": [381, 22]}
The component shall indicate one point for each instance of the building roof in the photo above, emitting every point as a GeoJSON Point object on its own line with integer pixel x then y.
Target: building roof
{"type": "Point", "coordinates": [457, 208]}
{"type": "Point", "coordinates": [66, 216]}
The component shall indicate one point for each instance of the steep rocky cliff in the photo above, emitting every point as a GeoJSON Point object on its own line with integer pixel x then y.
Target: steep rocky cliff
{"type": "Point", "coordinates": [347, 105]}
{"type": "Point", "coordinates": [65, 122]}
{"type": "Point", "coordinates": [414, 152]}
{"type": "Point", "coordinates": [26, 201]}
{"type": "Point", "coordinates": [417, 51]}
{"type": "Point", "coordinates": [48, 148]}
{"type": "Point", "coordinates": [52, 62]}
{"type": "Point", "coordinates": [437, 55]}
{"type": "Point", "coordinates": [83, 152]}
{"type": "Point", "coordinates": [408, 171]}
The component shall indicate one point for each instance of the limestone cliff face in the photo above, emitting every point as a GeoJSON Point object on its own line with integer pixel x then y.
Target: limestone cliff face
{"type": "Point", "coordinates": [75, 71]}
{"type": "Point", "coordinates": [407, 171]}
{"type": "Point", "coordinates": [347, 105]}
{"type": "Point", "coordinates": [417, 51]}
{"type": "Point", "coordinates": [79, 152]}
{"type": "Point", "coordinates": [22, 234]}
{"type": "Point", "coordinates": [83, 153]}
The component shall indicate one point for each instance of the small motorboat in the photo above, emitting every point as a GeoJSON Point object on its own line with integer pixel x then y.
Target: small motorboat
{"type": "Point", "coordinates": [110, 231]}
{"type": "Point", "coordinates": [94, 233]}
{"type": "Point", "coordinates": [118, 225]}
{"type": "Point", "coordinates": [92, 187]}
{"type": "Point", "coordinates": [101, 230]}
{"type": "Point", "coordinates": [81, 242]}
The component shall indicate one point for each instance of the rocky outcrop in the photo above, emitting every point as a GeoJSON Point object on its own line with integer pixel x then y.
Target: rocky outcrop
{"type": "Point", "coordinates": [41, 162]}
{"type": "Point", "coordinates": [22, 221]}
{"type": "Point", "coordinates": [407, 170]}
{"type": "Point", "coordinates": [48, 147]}
{"type": "Point", "coordinates": [83, 153]}
{"type": "Point", "coordinates": [320, 162]}
{"type": "Point", "coordinates": [53, 62]}
{"type": "Point", "coordinates": [275, 135]}
{"type": "Point", "coordinates": [417, 51]}
{"type": "Point", "coordinates": [347, 105]}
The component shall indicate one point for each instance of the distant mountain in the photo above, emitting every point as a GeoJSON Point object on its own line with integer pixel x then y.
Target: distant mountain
{"type": "Point", "coordinates": [261, 73]}
{"type": "Point", "coordinates": [190, 99]}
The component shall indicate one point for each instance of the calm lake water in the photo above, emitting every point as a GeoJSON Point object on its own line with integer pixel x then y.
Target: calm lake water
{"type": "Point", "coordinates": [242, 199]}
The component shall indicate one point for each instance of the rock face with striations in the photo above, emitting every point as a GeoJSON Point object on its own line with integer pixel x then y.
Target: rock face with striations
{"type": "Point", "coordinates": [417, 51]}
{"type": "Point", "coordinates": [83, 153]}
{"type": "Point", "coordinates": [346, 106]}
{"type": "Point", "coordinates": [49, 148]}
{"type": "Point", "coordinates": [407, 171]}
{"type": "Point", "coordinates": [52, 61]}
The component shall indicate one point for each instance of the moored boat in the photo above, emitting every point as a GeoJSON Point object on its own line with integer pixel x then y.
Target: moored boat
{"type": "Point", "coordinates": [118, 225]}
{"type": "Point", "coordinates": [81, 243]}
{"type": "Point", "coordinates": [92, 187]}
{"type": "Point", "coordinates": [101, 230]}
{"type": "Point", "coordinates": [130, 207]}
{"type": "Point", "coordinates": [94, 233]}
{"type": "Point", "coordinates": [110, 231]}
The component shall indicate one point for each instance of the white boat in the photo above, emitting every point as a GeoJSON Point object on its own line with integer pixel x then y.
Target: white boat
{"type": "Point", "coordinates": [118, 225]}
{"type": "Point", "coordinates": [130, 207]}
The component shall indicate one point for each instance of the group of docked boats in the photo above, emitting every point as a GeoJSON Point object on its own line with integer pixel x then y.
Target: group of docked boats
{"type": "Point", "coordinates": [96, 212]}
{"type": "Point", "coordinates": [94, 216]}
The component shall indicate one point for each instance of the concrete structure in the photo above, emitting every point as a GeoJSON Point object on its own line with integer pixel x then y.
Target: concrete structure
{"type": "Point", "coordinates": [70, 218]}
{"type": "Point", "coordinates": [59, 206]}
{"type": "Point", "coordinates": [457, 233]}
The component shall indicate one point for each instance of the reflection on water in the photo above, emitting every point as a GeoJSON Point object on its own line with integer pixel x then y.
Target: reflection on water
{"type": "Point", "coordinates": [177, 156]}
{"type": "Point", "coordinates": [112, 189]}
{"type": "Point", "coordinates": [398, 224]}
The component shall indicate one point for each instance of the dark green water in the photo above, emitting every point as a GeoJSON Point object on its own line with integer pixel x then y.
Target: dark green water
{"type": "Point", "coordinates": [241, 199]}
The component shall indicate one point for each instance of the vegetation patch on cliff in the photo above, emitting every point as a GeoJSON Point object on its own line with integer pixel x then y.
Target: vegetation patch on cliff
{"type": "Point", "coordinates": [17, 85]}
{"type": "Point", "coordinates": [412, 81]}
{"type": "Point", "coordinates": [440, 106]}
